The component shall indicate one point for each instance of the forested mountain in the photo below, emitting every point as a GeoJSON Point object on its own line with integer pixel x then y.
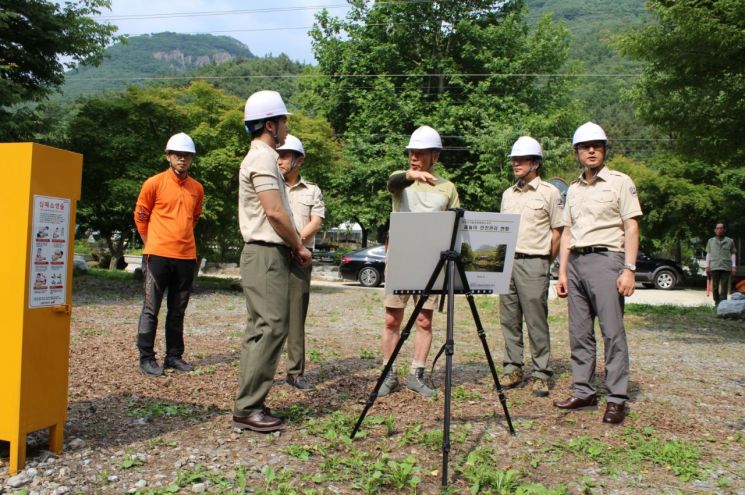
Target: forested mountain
{"type": "Point", "coordinates": [153, 55]}
{"type": "Point", "coordinates": [593, 24]}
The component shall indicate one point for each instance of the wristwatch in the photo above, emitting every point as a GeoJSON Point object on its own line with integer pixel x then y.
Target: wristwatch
{"type": "Point", "coordinates": [629, 266]}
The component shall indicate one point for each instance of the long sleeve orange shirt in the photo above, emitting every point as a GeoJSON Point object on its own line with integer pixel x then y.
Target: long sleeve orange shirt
{"type": "Point", "coordinates": [167, 211]}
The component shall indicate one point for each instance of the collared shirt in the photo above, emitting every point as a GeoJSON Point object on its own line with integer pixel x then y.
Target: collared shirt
{"type": "Point", "coordinates": [166, 213]}
{"type": "Point", "coordinates": [422, 197]}
{"type": "Point", "coordinates": [306, 200]}
{"type": "Point", "coordinates": [721, 253]}
{"type": "Point", "coordinates": [540, 208]}
{"type": "Point", "coordinates": [595, 212]}
{"type": "Point", "coordinates": [259, 172]}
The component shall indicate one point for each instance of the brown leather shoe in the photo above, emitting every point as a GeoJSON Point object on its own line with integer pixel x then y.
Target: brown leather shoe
{"type": "Point", "coordinates": [614, 413]}
{"type": "Point", "coordinates": [574, 403]}
{"type": "Point", "coordinates": [260, 421]}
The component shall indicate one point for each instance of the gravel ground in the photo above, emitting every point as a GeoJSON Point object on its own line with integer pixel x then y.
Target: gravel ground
{"type": "Point", "coordinates": [127, 433]}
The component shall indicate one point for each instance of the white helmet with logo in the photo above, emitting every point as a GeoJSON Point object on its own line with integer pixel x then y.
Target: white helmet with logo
{"type": "Point", "coordinates": [424, 138]}
{"type": "Point", "coordinates": [181, 142]}
{"type": "Point", "coordinates": [589, 131]}
{"type": "Point", "coordinates": [293, 144]}
{"type": "Point", "coordinates": [526, 146]}
{"type": "Point", "coordinates": [263, 105]}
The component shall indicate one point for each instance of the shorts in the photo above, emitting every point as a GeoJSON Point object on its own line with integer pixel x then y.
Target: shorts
{"type": "Point", "coordinates": [399, 301]}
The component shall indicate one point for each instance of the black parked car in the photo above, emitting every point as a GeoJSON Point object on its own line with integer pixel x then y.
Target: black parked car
{"type": "Point", "coordinates": [658, 272]}
{"type": "Point", "coordinates": [364, 265]}
{"type": "Point", "coordinates": [651, 272]}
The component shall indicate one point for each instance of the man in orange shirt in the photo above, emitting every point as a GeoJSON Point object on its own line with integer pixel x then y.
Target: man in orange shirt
{"type": "Point", "coordinates": [167, 211]}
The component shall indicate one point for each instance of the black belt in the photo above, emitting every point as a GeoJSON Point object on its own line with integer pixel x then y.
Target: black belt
{"type": "Point", "coordinates": [269, 244]}
{"type": "Point", "coordinates": [589, 249]}
{"type": "Point", "coordinates": [523, 256]}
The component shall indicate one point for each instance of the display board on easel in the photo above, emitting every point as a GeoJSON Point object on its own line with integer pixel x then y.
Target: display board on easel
{"type": "Point", "coordinates": [486, 242]}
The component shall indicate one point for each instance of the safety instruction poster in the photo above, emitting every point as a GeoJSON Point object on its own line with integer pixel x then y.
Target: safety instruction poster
{"type": "Point", "coordinates": [49, 252]}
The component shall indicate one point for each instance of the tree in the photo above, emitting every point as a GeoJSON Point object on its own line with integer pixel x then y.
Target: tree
{"type": "Point", "coordinates": [694, 77]}
{"type": "Point", "coordinates": [34, 34]}
{"type": "Point", "coordinates": [122, 137]}
{"type": "Point", "coordinates": [467, 68]}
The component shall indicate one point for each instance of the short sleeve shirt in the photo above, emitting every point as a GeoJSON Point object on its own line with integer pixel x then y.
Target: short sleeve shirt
{"type": "Point", "coordinates": [421, 197]}
{"type": "Point", "coordinates": [259, 172]}
{"type": "Point", "coordinates": [306, 200]}
{"type": "Point", "coordinates": [595, 212]}
{"type": "Point", "coordinates": [721, 253]}
{"type": "Point", "coordinates": [540, 208]}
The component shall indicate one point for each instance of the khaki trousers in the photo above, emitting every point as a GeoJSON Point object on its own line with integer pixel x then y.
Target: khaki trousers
{"type": "Point", "coordinates": [527, 298]}
{"type": "Point", "coordinates": [593, 292]}
{"type": "Point", "coordinates": [265, 277]}
{"type": "Point", "coordinates": [299, 299]}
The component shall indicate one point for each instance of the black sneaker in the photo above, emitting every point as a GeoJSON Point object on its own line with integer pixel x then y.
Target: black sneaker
{"type": "Point", "coordinates": [299, 382]}
{"type": "Point", "coordinates": [150, 367]}
{"type": "Point", "coordinates": [178, 364]}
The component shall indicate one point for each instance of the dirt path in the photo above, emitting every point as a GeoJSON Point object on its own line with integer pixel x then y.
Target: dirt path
{"type": "Point", "coordinates": [130, 433]}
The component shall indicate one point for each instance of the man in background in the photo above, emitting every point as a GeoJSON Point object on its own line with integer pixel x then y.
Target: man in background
{"type": "Point", "coordinates": [721, 262]}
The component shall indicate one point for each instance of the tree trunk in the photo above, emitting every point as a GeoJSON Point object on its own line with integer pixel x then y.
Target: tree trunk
{"type": "Point", "coordinates": [364, 232]}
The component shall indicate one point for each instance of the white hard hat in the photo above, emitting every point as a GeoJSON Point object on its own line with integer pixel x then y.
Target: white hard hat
{"type": "Point", "coordinates": [264, 105]}
{"type": "Point", "coordinates": [589, 131]}
{"type": "Point", "coordinates": [424, 138]}
{"type": "Point", "coordinates": [181, 142]}
{"type": "Point", "coordinates": [293, 144]}
{"type": "Point", "coordinates": [526, 146]}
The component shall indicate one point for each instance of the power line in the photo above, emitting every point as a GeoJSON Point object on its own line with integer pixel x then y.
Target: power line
{"type": "Point", "coordinates": [339, 76]}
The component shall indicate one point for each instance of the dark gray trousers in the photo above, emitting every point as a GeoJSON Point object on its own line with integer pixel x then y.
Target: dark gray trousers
{"type": "Point", "coordinates": [593, 293]}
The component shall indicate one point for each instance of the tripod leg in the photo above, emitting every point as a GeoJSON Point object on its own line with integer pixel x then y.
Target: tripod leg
{"type": "Point", "coordinates": [401, 340]}
{"type": "Point", "coordinates": [404, 335]}
{"type": "Point", "coordinates": [485, 345]}
{"type": "Point", "coordinates": [449, 350]}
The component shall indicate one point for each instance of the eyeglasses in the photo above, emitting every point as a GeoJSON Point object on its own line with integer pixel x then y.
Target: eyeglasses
{"type": "Point", "coordinates": [591, 144]}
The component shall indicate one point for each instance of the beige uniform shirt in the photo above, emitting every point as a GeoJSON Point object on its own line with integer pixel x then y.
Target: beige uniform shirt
{"type": "Point", "coordinates": [306, 200]}
{"type": "Point", "coordinates": [421, 197]}
{"type": "Point", "coordinates": [540, 209]}
{"type": "Point", "coordinates": [595, 212]}
{"type": "Point", "coordinates": [259, 172]}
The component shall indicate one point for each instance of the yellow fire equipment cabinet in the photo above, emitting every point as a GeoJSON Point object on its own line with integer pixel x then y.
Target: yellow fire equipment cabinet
{"type": "Point", "coordinates": [41, 187]}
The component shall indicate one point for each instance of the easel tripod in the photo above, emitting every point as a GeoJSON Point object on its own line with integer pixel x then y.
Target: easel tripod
{"type": "Point", "coordinates": [450, 259]}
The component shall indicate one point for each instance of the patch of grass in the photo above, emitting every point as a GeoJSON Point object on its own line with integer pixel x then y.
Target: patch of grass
{"type": "Point", "coordinates": [130, 460]}
{"type": "Point", "coordinates": [302, 452]}
{"type": "Point", "coordinates": [155, 409]}
{"type": "Point", "coordinates": [461, 394]}
{"type": "Point", "coordinates": [92, 332]}
{"type": "Point", "coordinates": [314, 356]}
{"type": "Point", "coordinates": [479, 472]}
{"type": "Point", "coordinates": [367, 354]}
{"type": "Point", "coordinates": [667, 310]}
{"type": "Point", "coordinates": [386, 474]}
{"type": "Point", "coordinates": [102, 274]}
{"type": "Point", "coordinates": [204, 370]}
{"type": "Point", "coordinates": [297, 413]}
{"type": "Point", "coordinates": [221, 482]}
{"type": "Point", "coordinates": [159, 442]}
{"type": "Point", "coordinates": [639, 449]}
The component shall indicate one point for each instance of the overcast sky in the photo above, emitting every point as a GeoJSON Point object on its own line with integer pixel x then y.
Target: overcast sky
{"type": "Point", "coordinates": [259, 24]}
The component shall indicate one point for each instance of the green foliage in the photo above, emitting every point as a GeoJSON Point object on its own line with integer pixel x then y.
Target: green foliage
{"type": "Point", "coordinates": [694, 77]}
{"type": "Point", "coordinates": [130, 460]}
{"type": "Point", "coordinates": [639, 449]}
{"type": "Point", "coordinates": [154, 409]}
{"type": "Point", "coordinates": [483, 478]}
{"type": "Point", "coordinates": [461, 394]}
{"type": "Point", "coordinates": [415, 65]}
{"type": "Point", "coordinates": [34, 35]}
